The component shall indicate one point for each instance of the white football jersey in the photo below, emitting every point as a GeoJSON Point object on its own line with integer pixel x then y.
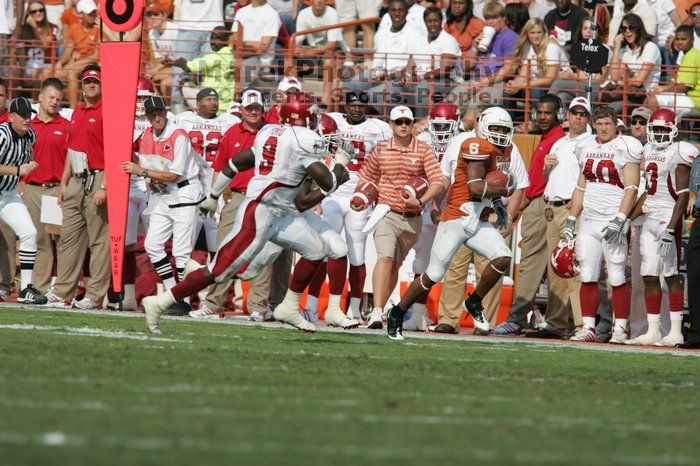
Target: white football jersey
{"type": "Point", "coordinates": [438, 148]}
{"type": "Point", "coordinates": [660, 173]}
{"type": "Point", "coordinates": [602, 166]}
{"type": "Point", "coordinates": [282, 153]}
{"type": "Point", "coordinates": [364, 136]}
{"type": "Point", "coordinates": [206, 133]}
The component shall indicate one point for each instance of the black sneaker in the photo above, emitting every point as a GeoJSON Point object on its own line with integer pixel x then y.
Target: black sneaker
{"type": "Point", "coordinates": [394, 323]}
{"type": "Point", "coordinates": [180, 308]}
{"type": "Point", "coordinates": [31, 295]}
{"type": "Point", "coordinates": [476, 310]}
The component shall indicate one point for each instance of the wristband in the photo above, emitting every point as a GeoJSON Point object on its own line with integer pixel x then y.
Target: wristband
{"type": "Point", "coordinates": [420, 203]}
{"type": "Point", "coordinates": [621, 216]}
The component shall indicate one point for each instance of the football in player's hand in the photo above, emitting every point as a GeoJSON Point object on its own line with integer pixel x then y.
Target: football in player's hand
{"type": "Point", "coordinates": [366, 193]}
{"type": "Point", "coordinates": [415, 187]}
{"type": "Point", "coordinates": [497, 178]}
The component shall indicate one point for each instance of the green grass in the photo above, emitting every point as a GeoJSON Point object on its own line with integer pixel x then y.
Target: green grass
{"type": "Point", "coordinates": [204, 394]}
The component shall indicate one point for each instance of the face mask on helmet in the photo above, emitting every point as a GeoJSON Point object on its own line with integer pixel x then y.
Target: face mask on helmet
{"type": "Point", "coordinates": [496, 137]}
{"type": "Point", "coordinates": [442, 131]}
{"type": "Point", "coordinates": [661, 136]}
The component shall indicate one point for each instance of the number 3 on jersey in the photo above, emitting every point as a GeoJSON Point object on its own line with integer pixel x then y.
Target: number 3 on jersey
{"type": "Point", "coordinates": [268, 156]}
{"type": "Point", "coordinates": [651, 171]}
{"type": "Point", "coordinates": [603, 172]}
{"type": "Point", "coordinates": [360, 150]}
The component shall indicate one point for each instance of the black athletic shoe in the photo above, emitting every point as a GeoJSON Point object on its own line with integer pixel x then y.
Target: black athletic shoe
{"type": "Point", "coordinates": [180, 308]}
{"type": "Point", "coordinates": [394, 323]}
{"type": "Point", "coordinates": [476, 310]}
{"type": "Point", "coordinates": [31, 295]}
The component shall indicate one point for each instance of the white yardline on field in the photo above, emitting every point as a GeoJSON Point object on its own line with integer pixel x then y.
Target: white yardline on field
{"type": "Point", "coordinates": [262, 448]}
{"type": "Point", "coordinates": [492, 342]}
{"type": "Point", "coordinates": [90, 332]}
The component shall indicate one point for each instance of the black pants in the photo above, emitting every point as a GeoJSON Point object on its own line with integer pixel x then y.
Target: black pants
{"type": "Point", "coordinates": [692, 260]}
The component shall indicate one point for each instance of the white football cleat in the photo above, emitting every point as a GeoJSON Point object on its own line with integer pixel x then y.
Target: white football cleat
{"type": "Point", "coordinates": [375, 319]}
{"type": "Point", "coordinates": [56, 302]}
{"type": "Point", "coordinates": [336, 318]}
{"type": "Point", "coordinates": [671, 340]}
{"type": "Point", "coordinates": [619, 337]}
{"type": "Point", "coordinates": [585, 334]}
{"type": "Point", "coordinates": [204, 313]}
{"type": "Point", "coordinates": [288, 315]}
{"type": "Point", "coordinates": [652, 337]}
{"type": "Point", "coordinates": [154, 306]}
{"type": "Point", "coordinates": [418, 320]}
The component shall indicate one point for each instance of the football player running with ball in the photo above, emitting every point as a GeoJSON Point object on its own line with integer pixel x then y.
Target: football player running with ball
{"type": "Point", "coordinates": [604, 197]}
{"type": "Point", "coordinates": [283, 156]}
{"type": "Point", "coordinates": [465, 222]}
{"type": "Point", "coordinates": [443, 124]}
{"type": "Point", "coordinates": [667, 172]}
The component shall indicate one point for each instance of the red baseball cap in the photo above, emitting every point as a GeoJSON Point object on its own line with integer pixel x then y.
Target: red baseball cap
{"type": "Point", "coordinates": [95, 74]}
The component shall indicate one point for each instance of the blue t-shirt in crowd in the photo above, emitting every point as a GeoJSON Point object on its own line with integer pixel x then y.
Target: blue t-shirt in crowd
{"type": "Point", "coordinates": [501, 47]}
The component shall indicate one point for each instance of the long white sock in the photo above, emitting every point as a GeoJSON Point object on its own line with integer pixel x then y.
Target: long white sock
{"type": "Point", "coordinates": [676, 316]}
{"type": "Point", "coordinates": [129, 296]}
{"type": "Point", "coordinates": [334, 302]}
{"type": "Point", "coordinates": [355, 304]}
{"type": "Point", "coordinates": [621, 325]}
{"type": "Point", "coordinates": [589, 322]}
{"type": "Point", "coordinates": [312, 303]}
{"type": "Point", "coordinates": [653, 318]}
{"type": "Point", "coordinates": [676, 326]}
{"type": "Point", "coordinates": [292, 299]}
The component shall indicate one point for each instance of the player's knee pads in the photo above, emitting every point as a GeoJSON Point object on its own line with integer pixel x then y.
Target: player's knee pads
{"type": "Point", "coordinates": [336, 247]}
{"type": "Point", "coordinates": [436, 271]}
{"type": "Point", "coordinates": [27, 238]}
{"type": "Point", "coordinates": [154, 246]}
{"type": "Point", "coordinates": [356, 247]}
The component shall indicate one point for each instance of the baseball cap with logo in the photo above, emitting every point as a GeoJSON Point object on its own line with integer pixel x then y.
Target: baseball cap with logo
{"type": "Point", "coordinates": [207, 92]}
{"type": "Point", "coordinates": [580, 102]}
{"type": "Point", "coordinates": [153, 103]}
{"type": "Point", "coordinates": [86, 6]}
{"type": "Point", "coordinates": [641, 112]}
{"type": "Point", "coordinates": [250, 97]}
{"type": "Point", "coordinates": [91, 73]}
{"type": "Point", "coordinates": [400, 112]}
{"type": "Point", "coordinates": [289, 82]}
{"type": "Point", "coordinates": [21, 107]}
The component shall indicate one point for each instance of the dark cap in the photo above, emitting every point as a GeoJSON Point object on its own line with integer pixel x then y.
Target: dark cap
{"type": "Point", "coordinates": [207, 92]}
{"type": "Point", "coordinates": [360, 96]}
{"type": "Point", "coordinates": [21, 107]}
{"type": "Point", "coordinates": [153, 103]}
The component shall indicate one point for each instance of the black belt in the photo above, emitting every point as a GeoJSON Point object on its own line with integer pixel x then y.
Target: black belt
{"type": "Point", "coordinates": [407, 214]}
{"type": "Point", "coordinates": [51, 184]}
{"type": "Point", "coordinates": [184, 183]}
{"type": "Point", "coordinates": [557, 203]}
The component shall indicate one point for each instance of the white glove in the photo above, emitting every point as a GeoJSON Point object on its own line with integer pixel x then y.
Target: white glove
{"type": "Point", "coordinates": [614, 231]}
{"type": "Point", "coordinates": [345, 153]}
{"type": "Point", "coordinates": [567, 233]}
{"type": "Point", "coordinates": [208, 207]}
{"type": "Point", "coordinates": [666, 239]}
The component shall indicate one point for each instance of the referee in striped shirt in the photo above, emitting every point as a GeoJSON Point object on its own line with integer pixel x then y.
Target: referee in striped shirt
{"type": "Point", "coordinates": [16, 146]}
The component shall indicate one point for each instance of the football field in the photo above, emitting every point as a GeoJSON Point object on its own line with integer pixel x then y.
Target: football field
{"type": "Point", "coordinates": [96, 389]}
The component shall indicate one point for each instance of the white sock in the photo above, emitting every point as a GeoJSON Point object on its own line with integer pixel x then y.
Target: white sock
{"type": "Point", "coordinates": [312, 303]}
{"type": "Point", "coordinates": [334, 302]}
{"type": "Point", "coordinates": [355, 304]}
{"type": "Point", "coordinates": [292, 299]}
{"type": "Point", "coordinates": [168, 298]}
{"type": "Point", "coordinates": [25, 278]}
{"type": "Point", "coordinates": [589, 322]}
{"type": "Point", "coordinates": [653, 318]}
{"type": "Point", "coordinates": [677, 316]}
{"type": "Point", "coordinates": [676, 326]}
{"type": "Point", "coordinates": [130, 294]}
{"type": "Point", "coordinates": [169, 283]}
{"type": "Point", "coordinates": [621, 325]}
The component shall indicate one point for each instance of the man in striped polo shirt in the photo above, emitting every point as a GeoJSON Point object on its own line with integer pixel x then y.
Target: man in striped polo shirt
{"type": "Point", "coordinates": [390, 166]}
{"type": "Point", "coordinates": [16, 146]}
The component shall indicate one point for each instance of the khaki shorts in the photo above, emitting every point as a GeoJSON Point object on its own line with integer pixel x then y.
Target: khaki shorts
{"type": "Point", "coordinates": [395, 236]}
{"type": "Point", "coordinates": [353, 9]}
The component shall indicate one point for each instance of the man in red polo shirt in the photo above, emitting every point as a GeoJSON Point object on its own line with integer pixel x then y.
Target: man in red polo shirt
{"type": "Point", "coordinates": [50, 153]}
{"type": "Point", "coordinates": [84, 198]}
{"type": "Point", "coordinates": [238, 137]}
{"type": "Point", "coordinates": [536, 215]}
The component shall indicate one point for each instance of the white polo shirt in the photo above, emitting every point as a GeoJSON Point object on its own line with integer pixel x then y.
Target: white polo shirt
{"type": "Point", "coordinates": [564, 175]}
{"type": "Point", "coordinates": [392, 49]}
{"type": "Point", "coordinates": [200, 15]}
{"type": "Point", "coordinates": [308, 20]}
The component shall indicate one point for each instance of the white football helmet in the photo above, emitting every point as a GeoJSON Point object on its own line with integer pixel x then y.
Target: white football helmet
{"type": "Point", "coordinates": [662, 118]}
{"type": "Point", "coordinates": [495, 116]}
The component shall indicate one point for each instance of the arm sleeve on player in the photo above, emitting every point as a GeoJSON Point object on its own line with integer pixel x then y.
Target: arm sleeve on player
{"type": "Point", "coordinates": [687, 153]}
{"type": "Point", "coordinates": [181, 153]}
